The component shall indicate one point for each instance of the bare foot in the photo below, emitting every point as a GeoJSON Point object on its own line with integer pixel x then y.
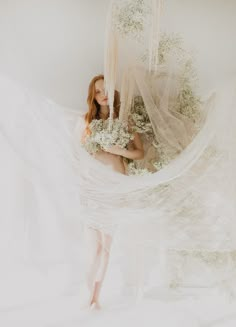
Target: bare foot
{"type": "Point", "coordinates": [95, 306]}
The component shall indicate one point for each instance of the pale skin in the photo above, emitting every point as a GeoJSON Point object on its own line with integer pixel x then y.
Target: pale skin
{"type": "Point", "coordinates": [98, 240]}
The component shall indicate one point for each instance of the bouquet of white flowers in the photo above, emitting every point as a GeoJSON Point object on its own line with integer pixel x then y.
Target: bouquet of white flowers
{"type": "Point", "coordinates": [104, 136]}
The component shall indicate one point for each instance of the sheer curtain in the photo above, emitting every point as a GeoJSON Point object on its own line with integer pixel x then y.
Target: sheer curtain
{"type": "Point", "coordinates": [191, 201]}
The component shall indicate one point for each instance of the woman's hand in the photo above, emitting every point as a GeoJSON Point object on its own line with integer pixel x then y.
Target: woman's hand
{"type": "Point", "coordinates": [136, 153]}
{"type": "Point", "coordinates": [115, 149]}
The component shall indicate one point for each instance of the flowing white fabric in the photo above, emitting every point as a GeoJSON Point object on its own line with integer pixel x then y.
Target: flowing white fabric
{"type": "Point", "coordinates": [188, 205]}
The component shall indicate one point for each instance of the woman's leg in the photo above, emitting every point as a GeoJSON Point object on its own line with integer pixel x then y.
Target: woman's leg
{"type": "Point", "coordinates": [106, 246]}
{"type": "Point", "coordinates": [94, 245]}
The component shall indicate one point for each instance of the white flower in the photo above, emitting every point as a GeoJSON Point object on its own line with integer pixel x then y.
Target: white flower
{"type": "Point", "coordinates": [103, 138]}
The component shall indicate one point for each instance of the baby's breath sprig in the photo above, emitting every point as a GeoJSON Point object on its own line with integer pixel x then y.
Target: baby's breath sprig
{"type": "Point", "coordinates": [102, 137]}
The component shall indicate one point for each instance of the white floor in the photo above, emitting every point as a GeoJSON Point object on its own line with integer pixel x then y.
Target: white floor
{"type": "Point", "coordinates": [158, 307]}
{"type": "Point", "coordinates": [44, 298]}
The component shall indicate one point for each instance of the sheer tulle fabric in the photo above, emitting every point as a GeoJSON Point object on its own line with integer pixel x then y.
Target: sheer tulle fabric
{"type": "Point", "coordinates": [191, 201]}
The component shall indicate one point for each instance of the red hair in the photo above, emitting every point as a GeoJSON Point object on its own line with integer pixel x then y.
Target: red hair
{"type": "Point", "coordinates": [94, 107]}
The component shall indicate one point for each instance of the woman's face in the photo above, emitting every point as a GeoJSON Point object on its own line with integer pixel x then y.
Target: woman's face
{"type": "Point", "coordinates": [100, 96]}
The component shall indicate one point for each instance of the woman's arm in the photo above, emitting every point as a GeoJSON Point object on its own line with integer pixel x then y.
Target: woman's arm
{"type": "Point", "coordinates": [136, 153]}
{"type": "Point", "coordinates": [83, 136]}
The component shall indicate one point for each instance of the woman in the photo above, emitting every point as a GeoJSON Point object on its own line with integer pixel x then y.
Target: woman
{"type": "Point", "coordinates": [101, 241]}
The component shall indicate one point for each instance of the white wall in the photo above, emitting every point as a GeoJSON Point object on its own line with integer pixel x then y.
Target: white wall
{"type": "Point", "coordinates": [208, 26]}
{"type": "Point", "coordinates": [56, 46]}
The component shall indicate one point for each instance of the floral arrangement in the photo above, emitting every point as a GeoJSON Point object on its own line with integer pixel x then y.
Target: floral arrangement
{"type": "Point", "coordinates": [139, 119]}
{"type": "Point", "coordinates": [215, 260]}
{"type": "Point", "coordinates": [133, 170]}
{"type": "Point", "coordinates": [171, 44]}
{"type": "Point", "coordinates": [103, 135]}
{"type": "Point", "coordinates": [187, 102]}
{"type": "Point", "coordinates": [129, 16]}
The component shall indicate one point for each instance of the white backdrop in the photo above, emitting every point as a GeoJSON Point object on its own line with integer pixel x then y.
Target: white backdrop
{"type": "Point", "coordinates": [56, 46]}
